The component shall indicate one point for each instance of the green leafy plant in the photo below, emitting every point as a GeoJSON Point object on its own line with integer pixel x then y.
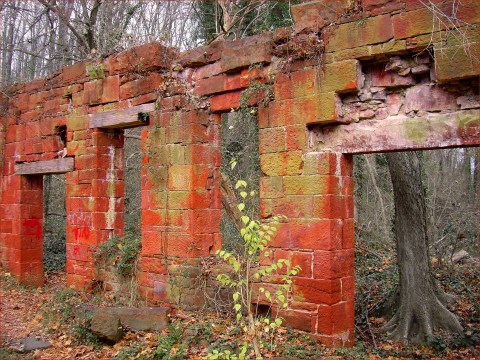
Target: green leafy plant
{"type": "Point", "coordinates": [246, 271]}
{"type": "Point", "coordinates": [95, 71]}
{"type": "Point", "coordinates": [121, 253]}
{"type": "Point", "coordinates": [172, 345]}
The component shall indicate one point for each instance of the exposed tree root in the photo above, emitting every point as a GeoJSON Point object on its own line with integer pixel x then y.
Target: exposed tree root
{"type": "Point", "coordinates": [418, 321]}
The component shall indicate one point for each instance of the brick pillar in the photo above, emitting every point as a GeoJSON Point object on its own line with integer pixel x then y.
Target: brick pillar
{"type": "Point", "coordinates": [94, 200]}
{"type": "Point", "coordinates": [315, 192]}
{"type": "Point", "coordinates": [181, 204]}
{"type": "Point", "coordinates": [21, 227]}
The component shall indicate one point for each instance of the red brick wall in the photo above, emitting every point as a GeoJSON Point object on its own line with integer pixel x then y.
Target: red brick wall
{"type": "Point", "coordinates": [314, 68]}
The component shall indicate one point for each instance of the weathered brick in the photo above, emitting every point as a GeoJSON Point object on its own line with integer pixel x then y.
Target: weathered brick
{"type": "Point", "coordinates": [317, 291]}
{"type": "Point", "coordinates": [333, 264]}
{"type": "Point", "coordinates": [333, 207]}
{"type": "Point", "coordinates": [362, 32]}
{"type": "Point", "coordinates": [295, 84]}
{"type": "Point", "coordinates": [211, 85]}
{"type": "Point", "coordinates": [189, 246]}
{"type": "Point", "coordinates": [271, 187]}
{"type": "Point", "coordinates": [329, 323]}
{"type": "Point", "coordinates": [298, 206]}
{"type": "Point", "coordinates": [296, 137]}
{"type": "Point", "coordinates": [188, 199]}
{"type": "Point", "coordinates": [205, 221]}
{"type": "Point", "coordinates": [224, 82]}
{"type": "Point", "coordinates": [288, 163]}
{"type": "Point", "coordinates": [272, 140]}
{"type": "Point", "coordinates": [273, 164]}
{"type": "Point", "coordinates": [187, 177]}
{"type": "Point", "coordinates": [348, 288]}
{"type": "Point", "coordinates": [307, 110]}
{"type": "Point", "coordinates": [313, 16]}
{"type": "Point", "coordinates": [340, 76]}
{"type": "Point", "coordinates": [74, 72]}
{"type": "Point", "coordinates": [225, 102]}
{"type": "Point", "coordinates": [141, 86]}
{"type": "Point", "coordinates": [245, 52]}
{"type": "Point", "coordinates": [413, 23]}
{"type": "Point", "coordinates": [294, 163]}
{"type": "Point", "coordinates": [298, 319]}
{"type": "Point", "coordinates": [348, 239]}
{"type": "Point", "coordinates": [141, 58]}
{"type": "Point", "coordinates": [429, 98]}
{"type": "Point", "coordinates": [304, 260]}
{"type": "Point", "coordinates": [376, 7]}
{"type": "Point", "coordinates": [457, 60]}
{"type": "Point", "coordinates": [102, 91]}
{"type": "Point", "coordinates": [201, 55]}
{"type": "Point", "coordinates": [310, 235]}
{"type": "Point", "coordinates": [311, 184]}
{"type": "Point", "coordinates": [154, 217]}
{"type": "Point", "coordinates": [324, 163]}
{"type": "Point", "coordinates": [152, 243]}
{"type": "Point", "coordinates": [208, 70]}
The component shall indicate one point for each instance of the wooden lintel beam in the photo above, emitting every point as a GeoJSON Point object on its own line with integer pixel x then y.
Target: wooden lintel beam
{"type": "Point", "coordinates": [55, 166]}
{"type": "Point", "coordinates": [123, 118]}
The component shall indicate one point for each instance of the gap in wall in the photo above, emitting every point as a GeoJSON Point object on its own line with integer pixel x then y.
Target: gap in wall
{"type": "Point", "coordinates": [54, 223]}
{"type": "Point", "coordinates": [239, 134]}
{"type": "Point", "coordinates": [450, 180]}
{"type": "Point", "coordinates": [132, 178]}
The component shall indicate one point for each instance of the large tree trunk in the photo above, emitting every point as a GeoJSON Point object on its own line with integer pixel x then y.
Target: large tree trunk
{"type": "Point", "coordinates": [422, 303]}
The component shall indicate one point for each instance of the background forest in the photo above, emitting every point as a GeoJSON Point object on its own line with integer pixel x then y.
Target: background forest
{"type": "Point", "coordinates": [40, 36]}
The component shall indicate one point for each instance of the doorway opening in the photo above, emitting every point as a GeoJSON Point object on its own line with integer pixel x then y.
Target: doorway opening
{"type": "Point", "coordinates": [450, 179]}
{"type": "Point", "coordinates": [54, 223]}
{"type": "Point", "coordinates": [132, 180]}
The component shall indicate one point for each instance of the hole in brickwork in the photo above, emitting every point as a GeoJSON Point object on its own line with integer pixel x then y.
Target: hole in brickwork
{"type": "Point", "coordinates": [61, 132]}
{"type": "Point", "coordinates": [239, 134]}
{"type": "Point", "coordinates": [405, 86]}
{"type": "Point", "coordinates": [70, 101]}
{"type": "Point", "coordinates": [400, 87]}
{"type": "Point", "coordinates": [54, 223]}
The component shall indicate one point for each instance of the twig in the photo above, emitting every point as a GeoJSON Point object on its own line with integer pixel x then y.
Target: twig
{"type": "Point", "coordinates": [378, 255]}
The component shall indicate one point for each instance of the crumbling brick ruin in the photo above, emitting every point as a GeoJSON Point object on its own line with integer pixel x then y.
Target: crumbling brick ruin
{"type": "Point", "coordinates": [350, 77]}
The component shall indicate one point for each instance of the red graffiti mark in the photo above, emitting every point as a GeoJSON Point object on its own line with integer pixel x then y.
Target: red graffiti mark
{"type": "Point", "coordinates": [76, 250]}
{"type": "Point", "coordinates": [81, 232]}
{"type": "Point", "coordinates": [33, 227]}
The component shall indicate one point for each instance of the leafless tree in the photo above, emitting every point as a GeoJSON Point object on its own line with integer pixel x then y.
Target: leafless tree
{"type": "Point", "coordinates": [39, 36]}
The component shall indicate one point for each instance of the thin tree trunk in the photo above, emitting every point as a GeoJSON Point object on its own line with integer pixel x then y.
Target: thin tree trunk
{"type": "Point", "coordinates": [229, 203]}
{"type": "Point", "coordinates": [422, 304]}
{"type": "Point", "coordinates": [373, 175]}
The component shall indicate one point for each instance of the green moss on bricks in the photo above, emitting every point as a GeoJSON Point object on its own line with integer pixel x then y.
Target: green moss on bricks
{"type": "Point", "coordinates": [465, 119]}
{"type": "Point", "coordinates": [415, 131]}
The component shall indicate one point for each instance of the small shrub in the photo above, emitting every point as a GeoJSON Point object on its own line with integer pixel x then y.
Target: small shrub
{"type": "Point", "coordinates": [256, 237]}
{"type": "Point", "coordinates": [121, 253]}
{"type": "Point", "coordinates": [171, 345]}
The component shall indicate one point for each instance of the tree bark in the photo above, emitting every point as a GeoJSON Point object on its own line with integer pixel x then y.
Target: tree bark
{"type": "Point", "coordinates": [422, 303]}
{"type": "Point", "coordinates": [229, 203]}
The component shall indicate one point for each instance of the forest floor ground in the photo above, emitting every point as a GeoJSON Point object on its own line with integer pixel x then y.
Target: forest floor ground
{"type": "Point", "coordinates": [52, 312]}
